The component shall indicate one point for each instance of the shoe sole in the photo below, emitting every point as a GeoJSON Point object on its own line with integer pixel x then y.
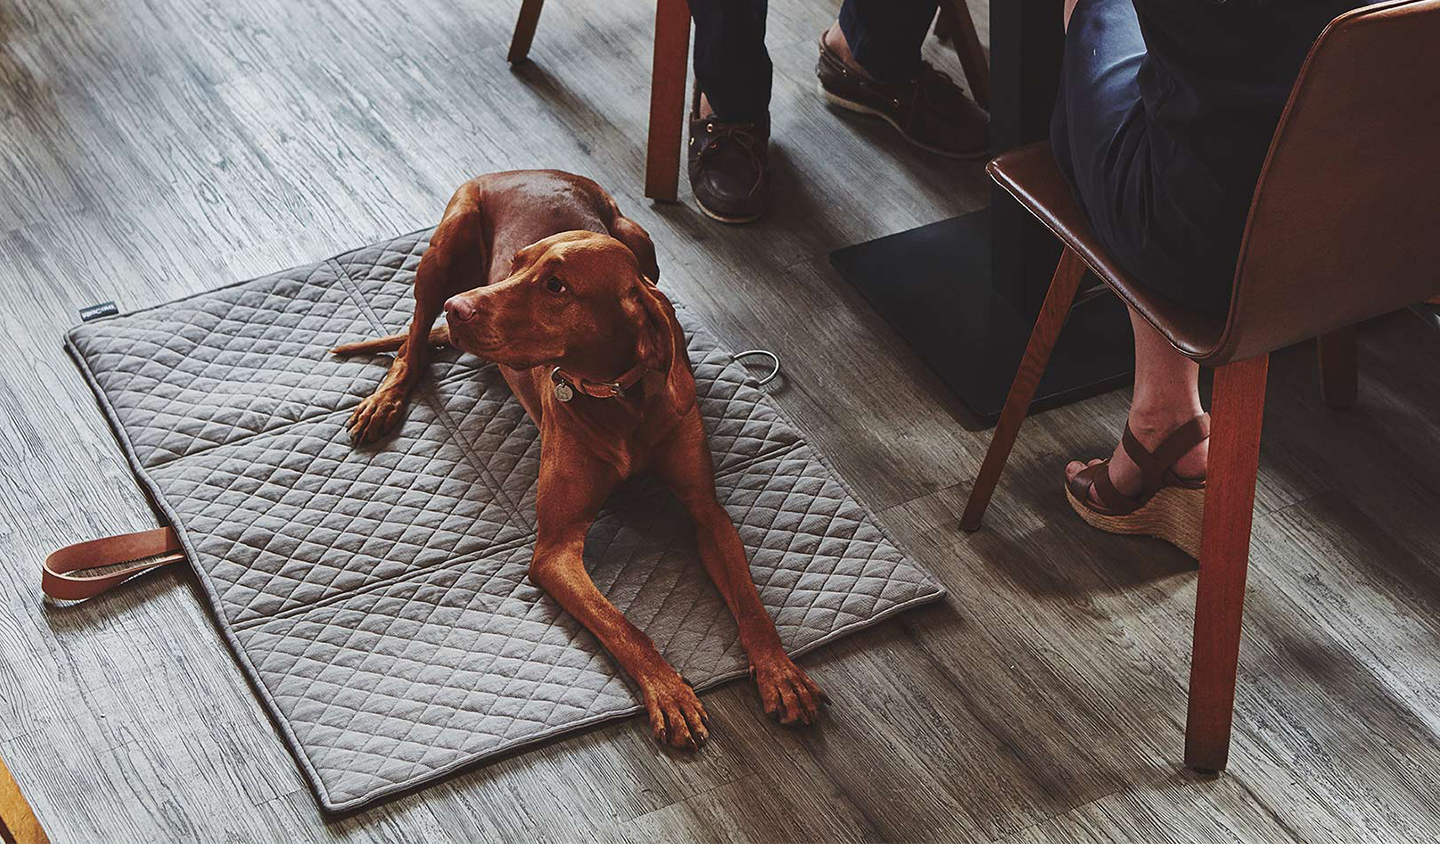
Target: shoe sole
{"type": "Point", "coordinates": [860, 108]}
{"type": "Point", "coordinates": [1172, 514]}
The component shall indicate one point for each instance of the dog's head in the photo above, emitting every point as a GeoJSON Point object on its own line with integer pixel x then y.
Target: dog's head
{"type": "Point", "coordinates": [577, 300]}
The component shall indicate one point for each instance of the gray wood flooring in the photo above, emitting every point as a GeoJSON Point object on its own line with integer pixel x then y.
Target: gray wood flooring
{"type": "Point", "coordinates": [152, 148]}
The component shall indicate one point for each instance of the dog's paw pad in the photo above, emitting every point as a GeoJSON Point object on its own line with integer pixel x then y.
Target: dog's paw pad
{"type": "Point", "coordinates": [374, 417]}
{"type": "Point", "coordinates": [677, 717]}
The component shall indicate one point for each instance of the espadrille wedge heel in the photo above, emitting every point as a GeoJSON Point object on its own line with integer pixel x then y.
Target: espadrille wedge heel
{"type": "Point", "coordinates": [1169, 507]}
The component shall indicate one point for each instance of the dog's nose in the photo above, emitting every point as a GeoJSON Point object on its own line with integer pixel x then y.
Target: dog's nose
{"type": "Point", "coordinates": [457, 309]}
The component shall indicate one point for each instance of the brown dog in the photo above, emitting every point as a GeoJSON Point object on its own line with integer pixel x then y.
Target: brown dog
{"type": "Point", "coordinates": [594, 353]}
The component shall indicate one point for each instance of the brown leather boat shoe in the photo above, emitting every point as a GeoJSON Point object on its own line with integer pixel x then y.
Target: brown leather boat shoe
{"type": "Point", "coordinates": [929, 110]}
{"type": "Point", "coordinates": [729, 167]}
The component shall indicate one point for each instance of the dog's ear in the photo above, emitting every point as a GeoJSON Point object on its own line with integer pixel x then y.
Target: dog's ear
{"type": "Point", "coordinates": [638, 241]}
{"type": "Point", "coordinates": [662, 347]}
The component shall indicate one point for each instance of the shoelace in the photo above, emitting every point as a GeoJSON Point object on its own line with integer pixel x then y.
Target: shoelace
{"type": "Point", "coordinates": [743, 134]}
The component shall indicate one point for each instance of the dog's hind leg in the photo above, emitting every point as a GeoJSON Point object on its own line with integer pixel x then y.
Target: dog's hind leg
{"type": "Point", "coordinates": [453, 263]}
{"type": "Point", "coordinates": [439, 337]}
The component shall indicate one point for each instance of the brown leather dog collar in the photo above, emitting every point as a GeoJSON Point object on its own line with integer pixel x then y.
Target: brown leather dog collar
{"type": "Point", "coordinates": [567, 385]}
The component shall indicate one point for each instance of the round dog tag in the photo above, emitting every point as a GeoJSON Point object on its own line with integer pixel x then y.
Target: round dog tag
{"type": "Point", "coordinates": [564, 392]}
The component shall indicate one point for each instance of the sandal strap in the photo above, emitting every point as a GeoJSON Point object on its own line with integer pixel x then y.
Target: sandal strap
{"type": "Point", "coordinates": [1113, 502]}
{"type": "Point", "coordinates": [1155, 468]}
{"type": "Point", "coordinates": [1154, 465]}
{"type": "Point", "coordinates": [1181, 440]}
{"type": "Point", "coordinates": [1151, 475]}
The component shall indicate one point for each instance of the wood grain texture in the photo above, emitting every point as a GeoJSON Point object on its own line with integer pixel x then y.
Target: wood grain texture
{"type": "Point", "coordinates": [161, 148]}
{"type": "Point", "coordinates": [1239, 408]}
{"type": "Point", "coordinates": [667, 99]}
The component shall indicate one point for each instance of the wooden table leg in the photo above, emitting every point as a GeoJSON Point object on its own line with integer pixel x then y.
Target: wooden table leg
{"type": "Point", "coordinates": [969, 50]}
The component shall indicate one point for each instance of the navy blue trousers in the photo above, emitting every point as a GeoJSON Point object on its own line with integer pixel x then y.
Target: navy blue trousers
{"type": "Point", "coordinates": [733, 68]}
{"type": "Point", "coordinates": [1131, 180]}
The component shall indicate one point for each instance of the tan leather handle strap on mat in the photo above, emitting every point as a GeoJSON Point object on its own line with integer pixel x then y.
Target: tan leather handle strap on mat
{"type": "Point", "coordinates": [64, 577]}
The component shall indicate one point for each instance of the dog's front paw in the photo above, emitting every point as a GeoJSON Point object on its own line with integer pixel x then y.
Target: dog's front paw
{"type": "Point", "coordinates": [676, 716]}
{"type": "Point", "coordinates": [786, 692]}
{"type": "Point", "coordinates": [375, 417]}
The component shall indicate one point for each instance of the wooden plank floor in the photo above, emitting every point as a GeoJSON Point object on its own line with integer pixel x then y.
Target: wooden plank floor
{"type": "Point", "coordinates": [152, 148]}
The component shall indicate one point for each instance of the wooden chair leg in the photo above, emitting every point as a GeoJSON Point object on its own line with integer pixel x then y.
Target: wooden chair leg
{"type": "Point", "coordinates": [1022, 390]}
{"type": "Point", "coordinates": [1238, 407]}
{"type": "Point", "coordinates": [524, 30]}
{"type": "Point", "coordinates": [1338, 376]}
{"type": "Point", "coordinates": [667, 99]}
{"type": "Point", "coordinates": [961, 28]}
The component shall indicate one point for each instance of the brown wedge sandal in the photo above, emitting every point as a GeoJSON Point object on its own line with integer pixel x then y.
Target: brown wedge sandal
{"type": "Point", "coordinates": [1169, 507]}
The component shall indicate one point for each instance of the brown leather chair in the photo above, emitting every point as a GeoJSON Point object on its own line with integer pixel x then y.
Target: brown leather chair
{"type": "Point", "coordinates": [667, 92]}
{"type": "Point", "coordinates": [1344, 226]}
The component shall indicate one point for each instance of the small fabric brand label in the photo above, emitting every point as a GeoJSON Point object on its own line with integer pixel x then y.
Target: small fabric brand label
{"type": "Point", "coordinates": [103, 309]}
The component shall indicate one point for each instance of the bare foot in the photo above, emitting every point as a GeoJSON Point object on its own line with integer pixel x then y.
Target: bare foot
{"type": "Point", "coordinates": [1126, 476]}
{"type": "Point", "coordinates": [786, 692]}
{"type": "Point", "coordinates": [676, 716]}
{"type": "Point", "coordinates": [376, 416]}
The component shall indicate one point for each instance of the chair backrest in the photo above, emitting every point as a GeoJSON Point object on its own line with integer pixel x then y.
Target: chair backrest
{"type": "Point", "coordinates": [1345, 222]}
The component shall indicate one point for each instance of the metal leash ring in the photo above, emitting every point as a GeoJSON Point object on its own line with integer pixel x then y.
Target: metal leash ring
{"type": "Point", "coordinates": [764, 353]}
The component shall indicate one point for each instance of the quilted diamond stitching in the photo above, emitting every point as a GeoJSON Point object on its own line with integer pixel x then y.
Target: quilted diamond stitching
{"type": "Point", "coordinates": [309, 515]}
{"type": "Point", "coordinates": [379, 595]}
{"type": "Point", "coordinates": [217, 368]}
{"type": "Point", "coordinates": [382, 276]}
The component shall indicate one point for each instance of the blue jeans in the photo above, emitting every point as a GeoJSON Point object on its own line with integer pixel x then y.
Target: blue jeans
{"type": "Point", "coordinates": [1136, 186]}
{"type": "Point", "coordinates": [733, 68]}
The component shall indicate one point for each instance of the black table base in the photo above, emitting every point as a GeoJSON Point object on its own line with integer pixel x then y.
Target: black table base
{"type": "Point", "coordinates": [934, 285]}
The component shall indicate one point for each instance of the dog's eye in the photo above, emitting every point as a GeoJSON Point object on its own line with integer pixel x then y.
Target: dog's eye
{"type": "Point", "coordinates": [555, 285]}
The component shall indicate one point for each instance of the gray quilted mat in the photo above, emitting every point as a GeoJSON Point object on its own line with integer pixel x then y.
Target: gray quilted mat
{"type": "Point", "coordinates": [377, 597]}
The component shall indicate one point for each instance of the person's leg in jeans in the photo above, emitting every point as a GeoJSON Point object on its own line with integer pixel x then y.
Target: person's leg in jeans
{"type": "Point", "coordinates": [728, 154]}
{"type": "Point", "coordinates": [870, 63]}
{"type": "Point", "coordinates": [883, 75]}
{"type": "Point", "coordinates": [882, 38]}
{"type": "Point", "coordinates": [732, 68]}
{"type": "Point", "coordinates": [1097, 125]}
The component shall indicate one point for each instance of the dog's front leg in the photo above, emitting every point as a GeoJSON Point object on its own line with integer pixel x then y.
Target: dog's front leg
{"type": "Point", "coordinates": [570, 495]}
{"type": "Point", "coordinates": [786, 692]}
{"type": "Point", "coordinates": [379, 412]}
{"type": "Point", "coordinates": [453, 263]}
